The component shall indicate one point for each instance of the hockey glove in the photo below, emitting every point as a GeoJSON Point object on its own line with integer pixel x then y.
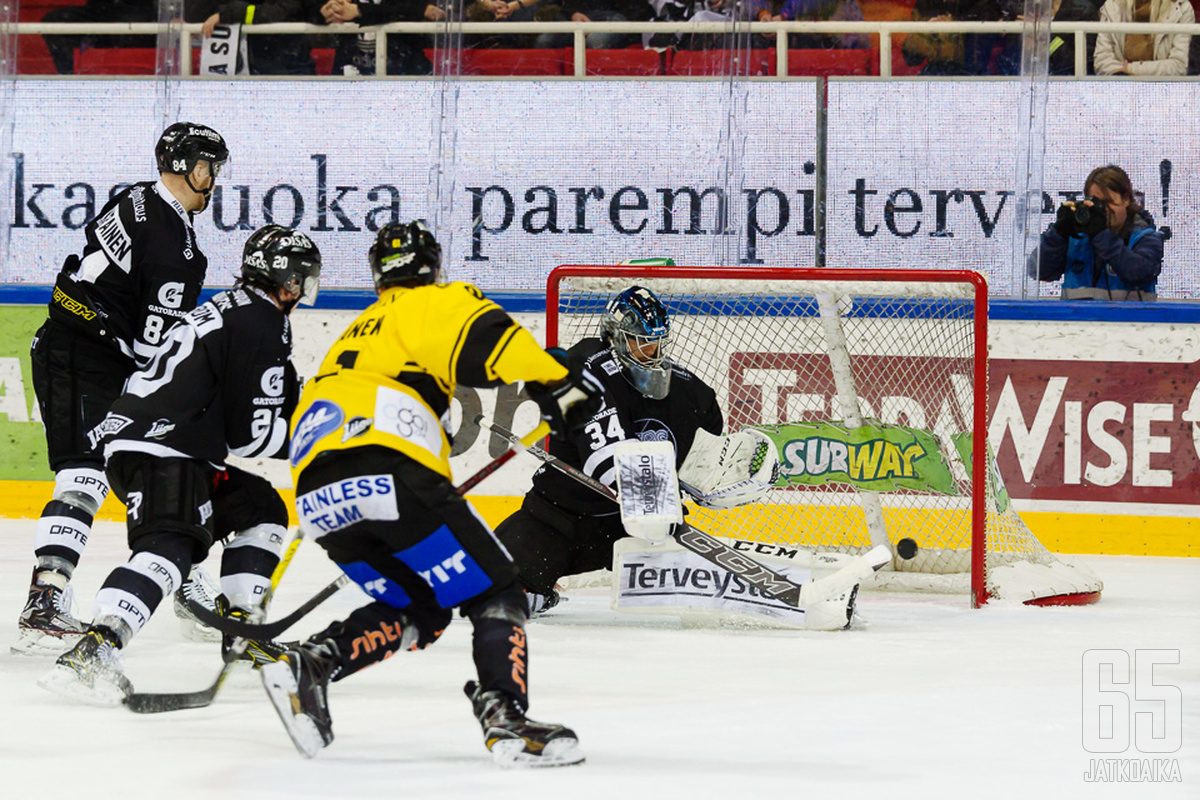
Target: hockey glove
{"type": "Point", "coordinates": [567, 404]}
{"type": "Point", "coordinates": [1065, 223]}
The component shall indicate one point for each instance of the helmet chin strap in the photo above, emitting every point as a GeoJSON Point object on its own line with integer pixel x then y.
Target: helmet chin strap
{"type": "Point", "coordinates": [205, 193]}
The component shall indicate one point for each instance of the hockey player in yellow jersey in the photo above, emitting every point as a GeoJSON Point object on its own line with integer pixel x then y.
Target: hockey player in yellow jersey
{"type": "Point", "coordinates": [370, 458]}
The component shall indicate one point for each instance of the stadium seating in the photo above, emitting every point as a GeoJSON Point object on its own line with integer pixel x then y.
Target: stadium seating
{"type": "Point", "coordinates": [116, 61]}
{"type": "Point", "coordinates": [695, 63]}
{"type": "Point", "coordinates": [632, 61]}
{"type": "Point", "coordinates": [530, 61]}
{"type": "Point", "coordinates": [32, 56]}
{"type": "Point", "coordinates": [826, 63]}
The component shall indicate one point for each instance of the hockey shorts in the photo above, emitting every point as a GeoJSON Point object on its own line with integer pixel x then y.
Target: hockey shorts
{"type": "Point", "coordinates": [191, 497]}
{"type": "Point", "coordinates": [548, 542]}
{"type": "Point", "coordinates": [399, 530]}
{"type": "Point", "coordinates": [76, 378]}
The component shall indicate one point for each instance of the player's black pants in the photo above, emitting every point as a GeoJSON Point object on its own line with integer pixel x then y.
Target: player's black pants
{"type": "Point", "coordinates": [404, 534]}
{"type": "Point", "coordinates": [76, 378]}
{"type": "Point", "coordinates": [548, 542]}
{"type": "Point", "coordinates": [176, 509]}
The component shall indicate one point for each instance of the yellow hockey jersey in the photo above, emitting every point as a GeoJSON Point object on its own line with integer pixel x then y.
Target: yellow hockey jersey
{"type": "Point", "coordinates": [389, 377]}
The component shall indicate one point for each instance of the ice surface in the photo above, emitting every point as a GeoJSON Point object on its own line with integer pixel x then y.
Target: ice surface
{"type": "Point", "coordinates": [930, 700]}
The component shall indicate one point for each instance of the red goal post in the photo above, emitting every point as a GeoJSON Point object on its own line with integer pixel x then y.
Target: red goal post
{"type": "Point", "coordinates": [873, 385]}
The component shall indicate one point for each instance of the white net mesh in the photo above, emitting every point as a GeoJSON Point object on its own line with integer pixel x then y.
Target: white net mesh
{"type": "Point", "coordinates": [883, 353]}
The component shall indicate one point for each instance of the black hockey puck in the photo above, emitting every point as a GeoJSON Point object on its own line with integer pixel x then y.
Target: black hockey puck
{"type": "Point", "coordinates": [906, 549]}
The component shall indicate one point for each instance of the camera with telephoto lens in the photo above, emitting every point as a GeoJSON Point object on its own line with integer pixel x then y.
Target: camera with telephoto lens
{"type": "Point", "coordinates": [1083, 213]}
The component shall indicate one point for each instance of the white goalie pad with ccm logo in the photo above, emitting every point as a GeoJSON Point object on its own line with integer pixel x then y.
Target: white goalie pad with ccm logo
{"type": "Point", "coordinates": [648, 489]}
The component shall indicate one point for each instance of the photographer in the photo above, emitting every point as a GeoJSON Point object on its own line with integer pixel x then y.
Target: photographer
{"type": "Point", "coordinates": [1105, 247]}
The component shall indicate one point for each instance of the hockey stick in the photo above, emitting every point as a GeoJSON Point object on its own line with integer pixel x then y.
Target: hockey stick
{"type": "Point", "coordinates": [766, 580]}
{"type": "Point", "coordinates": [248, 630]}
{"type": "Point", "coordinates": [159, 702]}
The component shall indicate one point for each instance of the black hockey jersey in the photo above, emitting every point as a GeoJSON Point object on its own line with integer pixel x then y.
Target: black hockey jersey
{"type": "Point", "coordinates": [139, 273]}
{"type": "Point", "coordinates": [221, 384]}
{"type": "Point", "coordinates": [625, 414]}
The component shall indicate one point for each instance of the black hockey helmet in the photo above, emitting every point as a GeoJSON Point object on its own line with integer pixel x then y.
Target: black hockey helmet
{"type": "Point", "coordinates": [276, 258]}
{"type": "Point", "coordinates": [405, 252]}
{"type": "Point", "coordinates": [637, 328]}
{"type": "Point", "coordinates": [184, 143]}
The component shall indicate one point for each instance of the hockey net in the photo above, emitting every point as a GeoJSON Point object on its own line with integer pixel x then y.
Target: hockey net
{"type": "Point", "coordinates": [873, 384]}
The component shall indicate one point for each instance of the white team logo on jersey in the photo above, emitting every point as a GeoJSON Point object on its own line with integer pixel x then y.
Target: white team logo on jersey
{"type": "Point", "coordinates": [272, 382]}
{"type": "Point", "coordinates": [170, 295]}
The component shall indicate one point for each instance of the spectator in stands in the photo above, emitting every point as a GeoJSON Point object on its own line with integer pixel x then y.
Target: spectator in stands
{"type": "Point", "coordinates": [1144, 53]}
{"type": "Point", "coordinates": [267, 54]}
{"type": "Point", "coordinates": [1110, 251]}
{"type": "Point", "coordinates": [1062, 45]}
{"type": "Point", "coordinates": [62, 47]}
{"type": "Point", "coordinates": [689, 11]}
{"type": "Point", "coordinates": [356, 54]}
{"type": "Point", "coordinates": [600, 11]}
{"type": "Point", "coordinates": [509, 10]}
{"type": "Point", "coordinates": [815, 11]}
{"type": "Point", "coordinates": [961, 53]}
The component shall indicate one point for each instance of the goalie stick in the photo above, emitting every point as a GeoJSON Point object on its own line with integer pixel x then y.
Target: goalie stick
{"type": "Point", "coordinates": [761, 577]}
{"type": "Point", "coordinates": [248, 630]}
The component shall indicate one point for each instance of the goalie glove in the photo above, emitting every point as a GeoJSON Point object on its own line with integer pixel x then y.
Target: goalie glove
{"type": "Point", "coordinates": [569, 403]}
{"type": "Point", "coordinates": [729, 471]}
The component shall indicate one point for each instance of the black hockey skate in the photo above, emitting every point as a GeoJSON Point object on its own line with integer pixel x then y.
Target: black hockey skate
{"type": "Point", "coordinates": [517, 741]}
{"type": "Point", "coordinates": [297, 684]}
{"type": "Point", "coordinates": [541, 603]}
{"type": "Point", "coordinates": [46, 626]}
{"type": "Point", "coordinates": [91, 671]}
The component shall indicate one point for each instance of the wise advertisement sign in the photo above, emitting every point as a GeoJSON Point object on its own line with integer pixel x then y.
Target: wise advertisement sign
{"type": "Point", "coordinates": [1091, 431]}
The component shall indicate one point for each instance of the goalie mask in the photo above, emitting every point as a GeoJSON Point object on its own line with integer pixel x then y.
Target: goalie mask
{"type": "Point", "coordinates": [405, 253]}
{"type": "Point", "coordinates": [636, 327]}
{"type": "Point", "coordinates": [277, 258]}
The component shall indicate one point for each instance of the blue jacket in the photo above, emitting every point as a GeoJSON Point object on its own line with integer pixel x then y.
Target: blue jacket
{"type": "Point", "coordinates": [1106, 266]}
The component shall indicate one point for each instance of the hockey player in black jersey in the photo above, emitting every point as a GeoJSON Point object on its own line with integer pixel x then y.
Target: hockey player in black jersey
{"type": "Point", "coordinates": [564, 528]}
{"type": "Point", "coordinates": [370, 457]}
{"type": "Point", "coordinates": [140, 271]}
{"type": "Point", "coordinates": [221, 383]}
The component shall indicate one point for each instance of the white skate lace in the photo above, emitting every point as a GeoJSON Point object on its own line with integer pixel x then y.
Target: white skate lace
{"type": "Point", "coordinates": [200, 587]}
{"type": "Point", "coordinates": [64, 600]}
{"type": "Point", "coordinates": [109, 655]}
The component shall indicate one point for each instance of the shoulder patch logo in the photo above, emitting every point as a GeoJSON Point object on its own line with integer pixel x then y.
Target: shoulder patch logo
{"type": "Point", "coordinates": [318, 421]}
{"type": "Point", "coordinates": [356, 426]}
{"type": "Point", "coordinates": [109, 426]}
{"type": "Point", "coordinates": [160, 428]}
